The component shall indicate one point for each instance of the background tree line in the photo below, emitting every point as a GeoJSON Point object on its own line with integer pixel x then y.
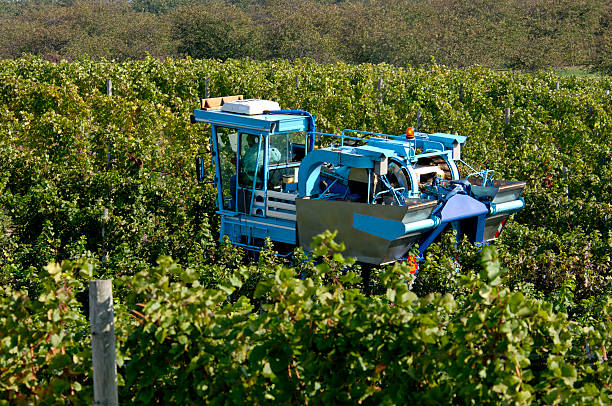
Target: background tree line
{"type": "Point", "coordinates": [517, 34]}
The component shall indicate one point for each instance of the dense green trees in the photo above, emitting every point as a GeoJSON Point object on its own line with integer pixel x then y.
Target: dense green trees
{"type": "Point", "coordinates": [603, 58]}
{"type": "Point", "coordinates": [215, 30]}
{"type": "Point", "coordinates": [99, 29]}
{"type": "Point", "coordinates": [517, 34]}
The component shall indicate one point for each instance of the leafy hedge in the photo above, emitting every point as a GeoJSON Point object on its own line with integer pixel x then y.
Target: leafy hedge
{"type": "Point", "coordinates": [57, 126]}
{"type": "Point", "coordinates": [182, 342]}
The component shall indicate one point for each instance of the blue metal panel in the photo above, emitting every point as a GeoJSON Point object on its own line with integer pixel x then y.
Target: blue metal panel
{"type": "Point", "coordinates": [447, 139]}
{"type": "Point", "coordinates": [261, 122]}
{"type": "Point", "coordinates": [462, 206]}
{"type": "Point", "coordinates": [390, 229]}
{"type": "Point", "coordinates": [400, 148]}
{"type": "Point", "coordinates": [295, 123]}
{"type": "Point", "coordinates": [251, 227]}
{"type": "Point", "coordinates": [439, 153]}
{"type": "Point", "coordinates": [373, 151]}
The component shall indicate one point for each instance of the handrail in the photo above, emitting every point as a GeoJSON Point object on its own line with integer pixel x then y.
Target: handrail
{"type": "Point", "coordinates": [364, 132]}
{"type": "Point", "coordinates": [342, 137]}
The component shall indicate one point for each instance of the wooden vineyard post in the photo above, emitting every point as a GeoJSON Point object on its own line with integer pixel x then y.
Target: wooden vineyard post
{"type": "Point", "coordinates": [380, 96]}
{"type": "Point", "coordinates": [297, 91]}
{"type": "Point", "coordinates": [101, 318]}
{"type": "Point", "coordinates": [507, 116]}
{"type": "Point", "coordinates": [109, 93]}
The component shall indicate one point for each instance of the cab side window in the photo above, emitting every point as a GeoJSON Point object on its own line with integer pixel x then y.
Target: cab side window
{"type": "Point", "coordinates": [286, 152]}
{"type": "Point", "coordinates": [251, 161]}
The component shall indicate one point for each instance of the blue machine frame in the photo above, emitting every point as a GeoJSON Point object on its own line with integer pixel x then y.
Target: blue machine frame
{"type": "Point", "coordinates": [476, 209]}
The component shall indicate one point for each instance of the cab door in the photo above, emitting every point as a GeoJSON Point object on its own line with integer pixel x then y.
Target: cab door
{"type": "Point", "coordinates": [224, 155]}
{"type": "Point", "coordinates": [250, 171]}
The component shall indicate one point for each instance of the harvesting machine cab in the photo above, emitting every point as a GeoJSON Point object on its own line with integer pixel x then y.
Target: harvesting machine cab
{"type": "Point", "coordinates": [382, 193]}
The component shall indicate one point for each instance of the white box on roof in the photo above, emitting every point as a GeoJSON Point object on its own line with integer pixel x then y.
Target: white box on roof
{"type": "Point", "coordinates": [250, 106]}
